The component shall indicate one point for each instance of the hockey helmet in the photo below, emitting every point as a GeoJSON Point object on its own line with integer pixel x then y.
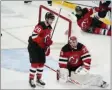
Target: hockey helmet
{"type": "Point", "coordinates": [78, 8]}
{"type": "Point", "coordinates": [49, 15]}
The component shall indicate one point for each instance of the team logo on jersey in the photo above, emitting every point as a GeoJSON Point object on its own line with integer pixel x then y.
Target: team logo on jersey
{"type": "Point", "coordinates": [84, 23]}
{"type": "Point", "coordinates": [74, 59]}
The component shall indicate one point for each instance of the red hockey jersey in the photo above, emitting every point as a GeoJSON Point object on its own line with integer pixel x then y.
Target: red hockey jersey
{"type": "Point", "coordinates": [74, 57]}
{"type": "Point", "coordinates": [85, 20]}
{"type": "Point", "coordinates": [39, 33]}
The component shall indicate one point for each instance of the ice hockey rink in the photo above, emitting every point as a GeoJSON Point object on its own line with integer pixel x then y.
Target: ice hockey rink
{"type": "Point", "coordinates": [17, 23]}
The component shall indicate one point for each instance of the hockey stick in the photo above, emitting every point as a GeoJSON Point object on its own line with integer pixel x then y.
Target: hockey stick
{"type": "Point", "coordinates": [51, 68]}
{"type": "Point", "coordinates": [53, 33]}
{"type": "Point", "coordinates": [78, 83]}
{"type": "Point", "coordinates": [74, 81]}
{"type": "Point", "coordinates": [70, 80]}
{"type": "Point", "coordinates": [57, 20]}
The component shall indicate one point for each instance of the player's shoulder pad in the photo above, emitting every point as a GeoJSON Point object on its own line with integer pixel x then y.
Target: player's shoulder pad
{"type": "Point", "coordinates": [85, 10]}
{"type": "Point", "coordinates": [42, 23]}
{"type": "Point", "coordinates": [50, 27]}
{"type": "Point", "coordinates": [66, 48]}
{"type": "Point", "coordinates": [79, 46]}
{"type": "Point", "coordinates": [78, 17]}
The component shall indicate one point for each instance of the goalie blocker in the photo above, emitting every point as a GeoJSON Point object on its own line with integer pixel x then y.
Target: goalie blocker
{"type": "Point", "coordinates": [74, 63]}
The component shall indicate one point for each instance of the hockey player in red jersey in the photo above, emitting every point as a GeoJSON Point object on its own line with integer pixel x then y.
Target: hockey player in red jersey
{"type": "Point", "coordinates": [91, 24]}
{"type": "Point", "coordinates": [75, 62]}
{"type": "Point", "coordinates": [74, 50]}
{"type": "Point", "coordinates": [39, 47]}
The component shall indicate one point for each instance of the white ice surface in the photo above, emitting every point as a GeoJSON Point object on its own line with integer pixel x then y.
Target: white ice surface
{"type": "Point", "coordinates": [18, 20]}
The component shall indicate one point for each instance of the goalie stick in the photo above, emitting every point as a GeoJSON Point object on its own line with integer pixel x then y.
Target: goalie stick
{"type": "Point", "coordinates": [77, 83]}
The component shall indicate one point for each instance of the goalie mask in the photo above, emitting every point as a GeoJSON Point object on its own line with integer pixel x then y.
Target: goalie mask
{"type": "Point", "coordinates": [49, 17]}
{"type": "Point", "coordinates": [73, 42]}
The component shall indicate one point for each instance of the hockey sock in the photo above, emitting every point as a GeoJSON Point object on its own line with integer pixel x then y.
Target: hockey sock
{"type": "Point", "coordinates": [40, 70]}
{"type": "Point", "coordinates": [102, 31]}
{"type": "Point", "coordinates": [32, 70]}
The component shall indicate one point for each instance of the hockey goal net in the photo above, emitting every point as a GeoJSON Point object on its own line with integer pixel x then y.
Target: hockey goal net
{"type": "Point", "coordinates": [63, 27]}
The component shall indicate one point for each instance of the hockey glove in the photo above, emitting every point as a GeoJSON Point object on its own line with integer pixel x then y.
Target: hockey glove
{"type": "Point", "coordinates": [81, 70]}
{"type": "Point", "coordinates": [104, 6]}
{"type": "Point", "coordinates": [48, 40]}
{"type": "Point", "coordinates": [47, 51]}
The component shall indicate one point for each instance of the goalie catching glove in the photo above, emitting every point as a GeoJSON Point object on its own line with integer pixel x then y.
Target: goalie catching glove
{"type": "Point", "coordinates": [81, 70]}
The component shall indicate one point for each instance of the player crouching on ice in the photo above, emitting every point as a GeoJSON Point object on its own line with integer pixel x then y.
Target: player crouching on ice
{"type": "Point", "coordinates": [39, 47]}
{"type": "Point", "coordinates": [74, 63]}
{"type": "Point", "coordinates": [91, 24]}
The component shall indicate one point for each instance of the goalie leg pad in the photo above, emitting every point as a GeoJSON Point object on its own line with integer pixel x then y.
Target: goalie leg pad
{"type": "Point", "coordinates": [79, 77]}
{"type": "Point", "coordinates": [88, 79]}
{"type": "Point", "coordinates": [94, 80]}
{"type": "Point", "coordinates": [62, 74]}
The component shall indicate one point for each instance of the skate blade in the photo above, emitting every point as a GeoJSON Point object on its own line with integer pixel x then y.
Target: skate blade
{"type": "Point", "coordinates": [32, 87]}
{"type": "Point", "coordinates": [106, 86]}
{"type": "Point", "coordinates": [40, 85]}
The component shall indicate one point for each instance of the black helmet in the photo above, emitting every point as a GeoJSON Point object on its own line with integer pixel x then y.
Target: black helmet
{"type": "Point", "coordinates": [49, 15]}
{"type": "Point", "coordinates": [78, 8]}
